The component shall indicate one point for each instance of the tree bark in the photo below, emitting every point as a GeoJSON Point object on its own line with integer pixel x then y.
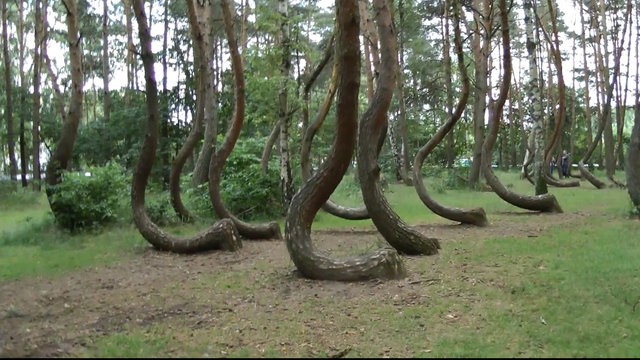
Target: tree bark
{"type": "Point", "coordinates": [329, 206]}
{"type": "Point", "coordinates": [543, 202]}
{"type": "Point", "coordinates": [8, 85]}
{"type": "Point", "coordinates": [197, 24]}
{"type": "Point", "coordinates": [554, 45]}
{"type": "Point", "coordinates": [223, 234]}
{"type": "Point", "coordinates": [35, 115]}
{"type": "Point", "coordinates": [476, 216]}
{"type": "Point", "coordinates": [284, 117]}
{"type": "Point", "coordinates": [106, 99]}
{"type": "Point", "coordinates": [372, 125]}
{"type": "Point", "coordinates": [62, 154]}
{"type": "Point", "coordinates": [210, 121]}
{"type": "Point", "coordinates": [384, 263]}
{"type": "Point", "coordinates": [534, 93]}
{"type": "Point", "coordinates": [249, 231]}
{"type": "Point", "coordinates": [606, 113]}
{"type": "Point", "coordinates": [24, 88]}
{"type": "Point", "coordinates": [481, 44]}
{"type": "Point", "coordinates": [633, 161]}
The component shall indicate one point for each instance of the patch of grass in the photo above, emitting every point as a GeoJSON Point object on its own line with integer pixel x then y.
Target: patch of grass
{"type": "Point", "coordinates": [139, 343]}
{"type": "Point", "coordinates": [567, 292]}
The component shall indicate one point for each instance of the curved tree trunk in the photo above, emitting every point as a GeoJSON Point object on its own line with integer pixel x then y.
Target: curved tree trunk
{"type": "Point", "coordinates": [311, 79]}
{"type": "Point", "coordinates": [561, 107]}
{"type": "Point", "coordinates": [250, 231]}
{"type": "Point", "coordinates": [633, 161]}
{"type": "Point", "coordinates": [268, 147]}
{"type": "Point", "coordinates": [62, 154]}
{"type": "Point", "coordinates": [223, 234]}
{"type": "Point", "coordinates": [475, 216]}
{"type": "Point", "coordinates": [372, 125]}
{"type": "Point", "coordinates": [305, 149]}
{"type": "Point", "coordinates": [544, 202]}
{"type": "Point", "coordinates": [384, 263]}
{"type": "Point", "coordinates": [196, 26]}
{"type": "Point", "coordinates": [606, 114]}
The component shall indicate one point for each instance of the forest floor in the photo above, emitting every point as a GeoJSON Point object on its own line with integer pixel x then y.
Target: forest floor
{"type": "Point", "coordinates": [253, 297]}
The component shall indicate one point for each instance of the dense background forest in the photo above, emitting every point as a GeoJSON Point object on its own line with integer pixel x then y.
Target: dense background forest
{"type": "Point", "coordinates": [75, 90]}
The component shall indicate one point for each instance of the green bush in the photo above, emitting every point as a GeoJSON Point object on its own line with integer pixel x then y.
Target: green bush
{"type": "Point", "coordinates": [159, 209]}
{"type": "Point", "coordinates": [81, 201]}
{"type": "Point", "coordinates": [245, 190]}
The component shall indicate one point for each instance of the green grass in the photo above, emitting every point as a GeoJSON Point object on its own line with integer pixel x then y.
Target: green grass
{"type": "Point", "coordinates": [568, 292]}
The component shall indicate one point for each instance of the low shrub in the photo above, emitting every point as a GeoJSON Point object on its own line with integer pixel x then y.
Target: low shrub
{"type": "Point", "coordinates": [90, 199]}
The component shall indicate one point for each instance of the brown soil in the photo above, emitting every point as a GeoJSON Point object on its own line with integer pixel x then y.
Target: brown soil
{"type": "Point", "coordinates": [61, 317]}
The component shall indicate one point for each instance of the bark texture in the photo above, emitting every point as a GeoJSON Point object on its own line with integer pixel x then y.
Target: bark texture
{"type": "Point", "coordinates": [62, 153]}
{"type": "Point", "coordinates": [249, 231]}
{"type": "Point", "coordinates": [383, 263]}
{"type": "Point", "coordinates": [633, 162]}
{"type": "Point", "coordinates": [371, 128]}
{"type": "Point", "coordinates": [544, 202]}
{"type": "Point", "coordinates": [476, 216]}
{"type": "Point", "coordinates": [331, 207]}
{"type": "Point", "coordinates": [223, 234]}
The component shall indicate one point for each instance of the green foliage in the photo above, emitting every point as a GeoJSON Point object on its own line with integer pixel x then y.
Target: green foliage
{"type": "Point", "coordinates": [246, 191]}
{"type": "Point", "coordinates": [443, 179]}
{"type": "Point", "coordinates": [81, 201]}
{"type": "Point", "coordinates": [120, 139]}
{"type": "Point", "coordinates": [159, 209]}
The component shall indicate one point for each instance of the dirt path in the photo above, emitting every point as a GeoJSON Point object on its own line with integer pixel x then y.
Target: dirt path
{"type": "Point", "coordinates": [42, 317]}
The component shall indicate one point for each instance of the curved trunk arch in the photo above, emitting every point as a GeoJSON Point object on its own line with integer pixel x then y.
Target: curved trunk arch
{"type": "Point", "coordinates": [383, 263]}
{"type": "Point", "coordinates": [223, 234]}
{"type": "Point", "coordinates": [249, 231]}
{"type": "Point", "coordinates": [329, 206]}
{"type": "Point", "coordinates": [195, 134]}
{"type": "Point", "coordinates": [372, 125]}
{"type": "Point", "coordinates": [544, 202]}
{"type": "Point", "coordinates": [476, 216]}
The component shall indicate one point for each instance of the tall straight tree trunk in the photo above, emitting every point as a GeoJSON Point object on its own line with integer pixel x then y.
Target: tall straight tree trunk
{"type": "Point", "coordinates": [449, 145]}
{"type": "Point", "coordinates": [23, 95]}
{"type": "Point", "coordinates": [106, 95]}
{"type": "Point", "coordinates": [586, 72]}
{"type": "Point", "coordinates": [603, 59]}
{"type": "Point", "coordinates": [208, 98]}
{"type": "Point", "coordinates": [35, 114]}
{"type": "Point", "coordinates": [535, 103]}
{"type": "Point", "coordinates": [8, 85]}
{"type": "Point", "coordinates": [62, 153]}
{"type": "Point", "coordinates": [284, 117]}
{"type": "Point", "coordinates": [633, 161]}
{"type": "Point", "coordinates": [481, 44]}
{"type": "Point", "coordinates": [401, 119]}
{"type": "Point", "coordinates": [130, 64]}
